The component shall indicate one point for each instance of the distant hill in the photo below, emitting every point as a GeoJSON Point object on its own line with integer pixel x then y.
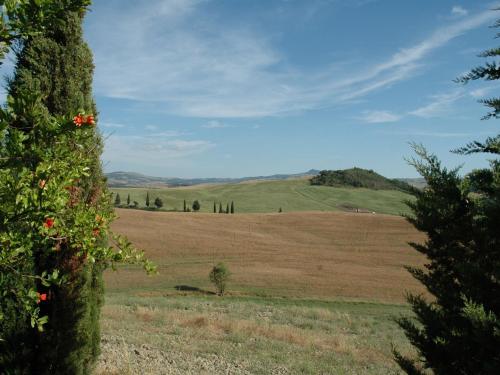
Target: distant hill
{"type": "Point", "coordinates": [132, 179]}
{"type": "Point", "coordinates": [360, 178]}
{"type": "Point", "coordinates": [419, 183]}
{"type": "Point", "coordinates": [294, 194]}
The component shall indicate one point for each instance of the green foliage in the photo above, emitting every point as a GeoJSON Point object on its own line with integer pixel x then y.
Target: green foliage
{"type": "Point", "coordinates": [185, 206]}
{"type": "Point", "coordinates": [357, 177]}
{"type": "Point", "coordinates": [219, 275]}
{"type": "Point", "coordinates": [220, 207]}
{"type": "Point", "coordinates": [196, 206]}
{"type": "Point", "coordinates": [118, 200]}
{"type": "Point", "coordinates": [227, 209]}
{"type": "Point", "coordinates": [158, 202]}
{"type": "Point", "coordinates": [128, 200]}
{"type": "Point", "coordinates": [147, 199]}
{"type": "Point", "coordinates": [55, 209]}
{"type": "Point", "coordinates": [215, 208]}
{"type": "Point", "coordinates": [458, 331]}
{"type": "Point", "coordinates": [232, 207]}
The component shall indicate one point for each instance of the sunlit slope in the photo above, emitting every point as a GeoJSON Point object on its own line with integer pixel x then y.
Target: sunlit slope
{"type": "Point", "coordinates": [269, 196]}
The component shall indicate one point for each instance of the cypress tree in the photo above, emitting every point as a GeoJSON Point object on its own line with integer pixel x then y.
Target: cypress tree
{"type": "Point", "coordinates": [56, 64]}
{"type": "Point", "coordinates": [227, 208]}
{"type": "Point", "coordinates": [128, 200]}
{"type": "Point", "coordinates": [185, 207]}
{"type": "Point", "coordinates": [458, 330]}
{"type": "Point", "coordinates": [118, 200]}
{"type": "Point", "coordinates": [215, 208]}
{"type": "Point", "coordinates": [232, 207]}
{"type": "Point", "coordinates": [220, 207]}
{"type": "Point", "coordinates": [147, 199]}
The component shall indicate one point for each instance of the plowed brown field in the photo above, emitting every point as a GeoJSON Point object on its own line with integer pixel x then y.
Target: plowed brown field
{"type": "Point", "coordinates": [326, 255]}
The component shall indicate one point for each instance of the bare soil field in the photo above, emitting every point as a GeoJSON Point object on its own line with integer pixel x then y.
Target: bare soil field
{"type": "Point", "coordinates": [323, 255]}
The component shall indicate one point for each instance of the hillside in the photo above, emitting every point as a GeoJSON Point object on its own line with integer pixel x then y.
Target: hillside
{"type": "Point", "coordinates": [269, 196]}
{"type": "Point", "coordinates": [132, 179]}
{"type": "Point", "coordinates": [321, 285]}
{"type": "Point", "coordinates": [359, 178]}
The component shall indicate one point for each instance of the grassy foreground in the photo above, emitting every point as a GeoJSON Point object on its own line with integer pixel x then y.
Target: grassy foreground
{"type": "Point", "coordinates": [199, 334]}
{"type": "Point", "coordinates": [269, 196]}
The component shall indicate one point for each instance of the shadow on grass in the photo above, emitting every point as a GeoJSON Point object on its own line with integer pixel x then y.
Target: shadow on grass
{"type": "Point", "coordinates": [188, 288]}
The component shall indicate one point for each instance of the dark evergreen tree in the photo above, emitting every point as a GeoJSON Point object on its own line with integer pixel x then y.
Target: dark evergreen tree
{"type": "Point", "coordinates": [118, 200]}
{"type": "Point", "coordinates": [227, 209]}
{"type": "Point", "coordinates": [280, 210]}
{"type": "Point", "coordinates": [215, 208]}
{"type": "Point", "coordinates": [158, 203]}
{"type": "Point", "coordinates": [458, 330]}
{"type": "Point", "coordinates": [128, 200]}
{"type": "Point", "coordinates": [220, 208]}
{"type": "Point", "coordinates": [56, 64]}
{"type": "Point", "coordinates": [185, 207]}
{"type": "Point", "coordinates": [147, 199]}
{"type": "Point", "coordinates": [196, 206]}
{"type": "Point", "coordinates": [232, 207]}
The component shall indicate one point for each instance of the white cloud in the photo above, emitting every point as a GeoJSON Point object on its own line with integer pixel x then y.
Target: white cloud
{"type": "Point", "coordinates": [457, 10]}
{"type": "Point", "coordinates": [214, 124]}
{"type": "Point", "coordinates": [157, 152]}
{"type": "Point", "coordinates": [440, 105]}
{"type": "Point", "coordinates": [375, 117]}
{"type": "Point", "coordinates": [165, 53]}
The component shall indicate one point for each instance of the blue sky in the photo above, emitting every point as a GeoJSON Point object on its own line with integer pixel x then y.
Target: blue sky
{"type": "Point", "coordinates": [226, 88]}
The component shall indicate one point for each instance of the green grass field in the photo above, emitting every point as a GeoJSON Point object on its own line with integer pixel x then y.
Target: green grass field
{"type": "Point", "coordinates": [269, 196]}
{"type": "Point", "coordinates": [201, 334]}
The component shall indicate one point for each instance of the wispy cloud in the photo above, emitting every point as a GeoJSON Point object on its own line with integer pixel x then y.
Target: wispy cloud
{"type": "Point", "coordinates": [375, 117]}
{"type": "Point", "coordinates": [440, 105]}
{"type": "Point", "coordinates": [458, 10]}
{"type": "Point", "coordinates": [159, 152]}
{"type": "Point", "coordinates": [193, 66]}
{"type": "Point", "coordinates": [111, 125]}
{"type": "Point", "coordinates": [214, 124]}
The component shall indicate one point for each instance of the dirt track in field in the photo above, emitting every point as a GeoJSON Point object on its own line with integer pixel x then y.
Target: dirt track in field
{"type": "Point", "coordinates": [307, 254]}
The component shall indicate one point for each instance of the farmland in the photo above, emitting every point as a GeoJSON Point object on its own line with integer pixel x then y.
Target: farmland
{"type": "Point", "coordinates": [269, 196]}
{"type": "Point", "coordinates": [311, 292]}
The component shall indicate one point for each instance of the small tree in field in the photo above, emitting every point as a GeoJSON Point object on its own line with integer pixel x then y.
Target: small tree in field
{"type": "Point", "coordinates": [196, 206]}
{"type": "Point", "coordinates": [147, 199]}
{"type": "Point", "coordinates": [219, 275]}
{"type": "Point", "coordinates": [227, 208]}
{"type": "Point", "coordinates": [158, 203]}
{"type": "Point", "coordinates": [215, 208]}
{"type": "Point", "coordinates": [118, 200]}
{"type": "Point", "coordinates": [232, 207]}
{"type": "Point", "coordinates": [185, 206]}
{"type": "Point", "coordinates": [220, 208]}
{"type": "Point", "coordinates": [128, 200]}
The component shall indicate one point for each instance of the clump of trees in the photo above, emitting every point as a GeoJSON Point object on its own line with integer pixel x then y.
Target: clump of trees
{"type": "Point", "coordinates": [158, 203]}
{"type": "Point", "coordinates": [458, 330]}
{"type": "Point", "coordinates": [196, 206]}
{"type": "Point", "coordinates": [219, 276]}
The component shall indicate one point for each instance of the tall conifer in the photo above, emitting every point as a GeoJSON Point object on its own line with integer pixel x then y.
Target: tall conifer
{"type": "Point", "coordinates": [57, 65]}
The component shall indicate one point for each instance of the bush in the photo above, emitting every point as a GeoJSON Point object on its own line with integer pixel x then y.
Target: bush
{"type": "Point", "coordinates": [158, 203]}
{"type": "Point", "coordinates": [196, 206]}
{"type": "Point", "coordinates": [219, 277]}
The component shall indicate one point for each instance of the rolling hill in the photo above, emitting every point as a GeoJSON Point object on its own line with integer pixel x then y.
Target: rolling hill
{"type": "Point", "coordinates": [132, 179]}
{"type": "Point", "coordinates": [358, 177]}
{"type": "Point", "coordinates": [269, 196]}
